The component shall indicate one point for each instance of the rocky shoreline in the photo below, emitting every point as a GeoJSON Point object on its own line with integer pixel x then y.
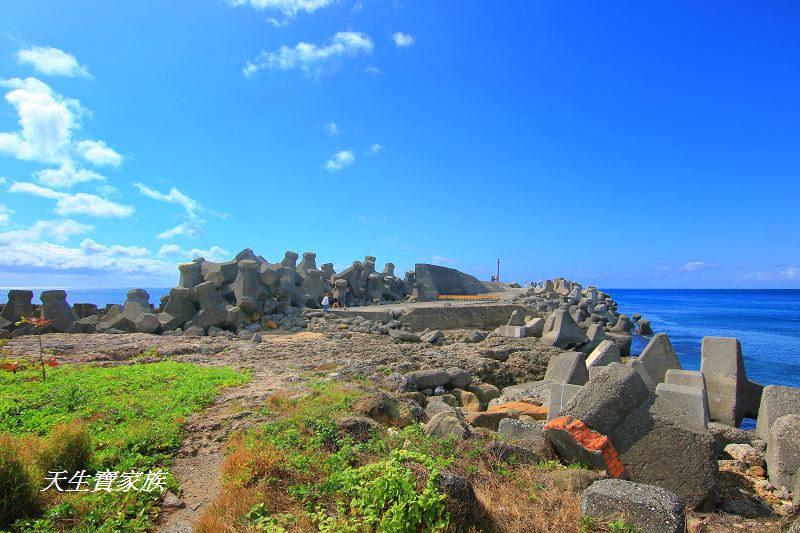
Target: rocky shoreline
{"type": "Point", "coordinates": [553, 376]}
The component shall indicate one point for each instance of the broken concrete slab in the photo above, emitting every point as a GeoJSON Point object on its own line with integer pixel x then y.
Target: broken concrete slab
{"type": "Point", "coordinates": [575, 441]}
{"type": "Point", "coordinates": [776, 401]}
{"type": "Point", "coordinates": [654, 361]}
{"type": "Point", "coordinates": [569, 367]}
{"type": "Point", "coordinates": [731, 396]}
{"type": "Point", "coordinates": [565, 332]}
{"type": "Point", "coordinates": [649, 508]}
{"type": "Point", "coordinates": [684, 405]}
{"type": "Point", "coordinates": [783, 452]}
{"type": "Point", "coordinates": [512, 332]}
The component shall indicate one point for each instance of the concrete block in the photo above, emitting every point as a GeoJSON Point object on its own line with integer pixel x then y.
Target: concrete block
{"type": "Point", "coordinates": [513, 332]}
{"type": "Point", "coordinates": [566, 332]}
{"type": "Point", "coordinates": [731, 396]}
{"type": "Point", "coordinates": [783, 452]}
{"type": "Point", "coordinates": [623, 341]}
{"type": "Point", "coordinates": [534, 327]}
{"type": "Point", "coordinates": [776, 401]}
{"type": "Point", "coordinates": [560, 394]}
{"type": "Point", "coordinates": [684, 405]}
{"type": "Point", "coordinates": [511, 429]}
{"type": "Point", "coordinates": [532, 390]}
{"type": "Point", "coordinates": [567, 367]}
{"type": "Point", "coordinates": [608, 398]}
{"type": "Point", "coordinates": [685, 378]}
{"type": "Point", "coordinates": [605, 353]}
{"type": "Point", "coordinates": [649, 508]}
{"type": "Point", "coordinates": [654, 361]}
{"type": "Point", "coordinates": [663, 452]}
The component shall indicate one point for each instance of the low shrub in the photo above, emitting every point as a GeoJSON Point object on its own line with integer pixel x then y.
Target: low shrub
{"type": "Point", "coordinates": [68, 447]}
{"type": "Point", "coordinates": [19, 496]}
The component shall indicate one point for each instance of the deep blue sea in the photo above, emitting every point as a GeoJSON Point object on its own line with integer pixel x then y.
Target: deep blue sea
{"type": "Point", "coordinates": [766, 322]}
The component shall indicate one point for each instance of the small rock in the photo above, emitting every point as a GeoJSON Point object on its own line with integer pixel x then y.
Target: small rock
{"type": "Point", "coordinates": [446, 424]}
{"type": "Point", "coordinates": [170, 501]}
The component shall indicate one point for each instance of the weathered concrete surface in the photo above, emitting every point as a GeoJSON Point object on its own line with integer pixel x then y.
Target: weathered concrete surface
{"type": "Point", "coordinates": [654, 361]}
{"type": "Point", "coordinates": [560, 395]}
{"type": "Point", "coordinates": [651, 509]}
{"type": "Point", "coordinates": [569, 367]}
{"type": "Point", "coordinates": [608, 398]}
{"type": "Point", "coordinates": [731, 396]}
{"type": "Point", "coordinates": [776, 401]}
{"type": "Point", "coordinates": [685, 405]}
{"type": "Point", "coordinates": [659, 451]}
{"type": "Point", "coordinates": [605, 353]}
{"type": "Point", "coordinates": [783, 451]}
{"type": "Point", "coordinates": [485, 316]}
{"type": "Point", "coordinates": [433, 280]}
{"type": "Point", "coordinates": [565, 331]}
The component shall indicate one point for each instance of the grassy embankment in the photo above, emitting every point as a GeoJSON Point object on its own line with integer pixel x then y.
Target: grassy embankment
{"type": "Point", "coordinates": [299, 473]}
{"type": "Point", "coordinates": [125, 419]}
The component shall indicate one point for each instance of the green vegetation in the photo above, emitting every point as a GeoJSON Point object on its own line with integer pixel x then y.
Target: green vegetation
{"type": "Point", "coordinates": [125, 418]}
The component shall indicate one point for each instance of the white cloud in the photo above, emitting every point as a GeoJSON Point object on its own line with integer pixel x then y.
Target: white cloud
{"type": "Point", "coordinates": [98, 153]}
{"type": "Point", "coordinates": [374, 149]}
{"type": "Point", "coordinates": [332, 128]}
{"type": "Point", "coordinates": [66, 176]}
{"type": "Point", "coordinates": [60, 230]}
{"type": "Point", "coordinates": [35, 190]}
{"type": "Point", "coordinates": [75, 204]}
{"type": "Point", "coordinates": [340, 160]}
{"type": "Point", "coordinates": [3, 179]}
{"type": "Point", "coordinates": [373, 70]}
{"type": "Point", "coordinates": [46, 122]}
{"type": "Point", "coordinates": [174, 196]}
{"type": "Point", "coordinates": [402, 39]}
{"type": "Point", "coordinates": [91, 205]}
{"type": "Point", "coordinates": [289, 8]}
{"type": "Point", "coordinates": [789, 274]}
{"type": "Point", "coordinates": [310, 58]}
{"type": "Point", "coordinates": [696, 265]}
{"type": "Point", "coordinates": [52, 62]}
{"type": "Point", "coordinates": [442, 260]}
{"type": "Point", "coordinates": [91, 247]}
{"type": "Point", "coordinates": [215, 253]}
{"type": "Point", "coordinates": [183, 230]}
{"type": "Point", "coordinates": [5, 215]}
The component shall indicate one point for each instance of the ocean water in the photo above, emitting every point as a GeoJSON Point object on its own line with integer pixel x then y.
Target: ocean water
{"type": "Point", "coordinates": [99, 297]}
{"type": "Point", "coordinates": [766, 322]}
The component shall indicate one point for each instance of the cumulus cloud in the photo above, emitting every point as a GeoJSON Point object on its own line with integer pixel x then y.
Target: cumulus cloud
{"type": "Point", "coordinates": [332, 128]}
{"type": "Point", "coordinates": [46, 122]}
{"type": "Point", "coordinates": [215, 253]}
{"type": "Point", "coordinates": [52, 61]}
{"type": "Point", "coordinates": [340, 160]}
{"type": "Point", "coordinates": [75, 204]}
{"type": "Point", "coordinates": [402, 40]}
{"type": "Point", "coordinates": [91, 247]}
{"type": "Point", "coordinates": [311, 58]}
{"type": "Point", "coordinates": [182, 230]}
{"type": "Point", "coordinates": [98, 153]}
{"type": "Point", "coordinates": [66, 176]}
{"type": "Point", "coordinates": [289, 8]}
{"type": "Point", "coordinates": [59, 230]}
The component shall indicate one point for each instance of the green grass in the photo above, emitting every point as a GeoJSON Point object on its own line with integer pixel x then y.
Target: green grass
{"type": "Point", "coordinates": [135, 416]}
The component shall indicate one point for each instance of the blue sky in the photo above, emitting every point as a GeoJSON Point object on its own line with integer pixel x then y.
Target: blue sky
{"type": "Point", "coordinates": [626, 144]}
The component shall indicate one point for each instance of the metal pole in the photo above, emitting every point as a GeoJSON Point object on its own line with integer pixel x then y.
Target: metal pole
{"type": "Point", "coordinates": [498, 269]}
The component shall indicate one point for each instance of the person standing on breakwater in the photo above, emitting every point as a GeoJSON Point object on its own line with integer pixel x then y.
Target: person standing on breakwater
{"type": "Point", "coordinates": [325, 302]}
{"type": "Point", "coordinates": [335, 302]}
{"type": "Point", "coordinates": [348, 295]}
